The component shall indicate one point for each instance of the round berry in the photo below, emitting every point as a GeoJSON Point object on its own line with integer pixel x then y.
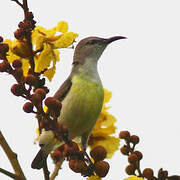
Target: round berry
{"type": "Point", "coordinates": [148, 173]}
{"type": "Point", "coordinates": [130, 169]}
{"type": "Point", "coordinates": [28, 107]}
{"type": "Point", "coordinates": [132, 158]}
{"type": "Point", "coordinates": [98, 153]}
{"type": "Point", "coordinates": [124, 135]}
{"type": "Point", "coordinates": [101, 168]}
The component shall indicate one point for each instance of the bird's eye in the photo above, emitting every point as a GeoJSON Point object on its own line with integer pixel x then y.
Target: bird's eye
{"type": "Point", "coordinates": [41, 145]}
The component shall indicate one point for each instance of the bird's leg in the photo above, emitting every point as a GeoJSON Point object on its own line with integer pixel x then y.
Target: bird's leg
{"type": "Point", "coordinates": [84, 139]}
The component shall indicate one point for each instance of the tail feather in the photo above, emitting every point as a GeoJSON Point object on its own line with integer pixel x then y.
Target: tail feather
{"type": "Point", "coordinates": [39, 160]}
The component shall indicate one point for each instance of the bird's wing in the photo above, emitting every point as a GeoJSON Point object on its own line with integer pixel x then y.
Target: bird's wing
{"type": "Point", "coordinates": [64, 89]}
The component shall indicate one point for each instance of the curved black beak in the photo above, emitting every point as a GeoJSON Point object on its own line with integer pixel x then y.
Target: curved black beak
{"type": "Point", "coordinates": [110, 40]}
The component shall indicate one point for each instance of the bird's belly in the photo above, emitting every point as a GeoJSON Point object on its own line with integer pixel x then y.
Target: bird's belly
{"type": "Point", "coordinates": [81, 107]}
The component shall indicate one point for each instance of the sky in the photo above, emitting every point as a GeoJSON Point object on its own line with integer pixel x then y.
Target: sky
{"type": "Point", "coordinates": [142, 72]}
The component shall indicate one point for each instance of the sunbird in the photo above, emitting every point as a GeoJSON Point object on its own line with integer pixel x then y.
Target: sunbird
{"type": "Point", "coordinates": [82, 96]}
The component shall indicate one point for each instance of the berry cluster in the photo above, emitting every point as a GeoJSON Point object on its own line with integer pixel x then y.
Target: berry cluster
{"type": "Point", "coordinates": [78, 161]}
{"type": "Point", "coordinates": [25, 26]}
{"type": "Point", "coordinates": [134, 158]}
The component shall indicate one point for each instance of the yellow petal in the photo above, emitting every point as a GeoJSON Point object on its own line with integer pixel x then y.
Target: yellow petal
{"type": "Point", "coordinates": [134, 178]}
{"type": "Point", "coordinates": [25, 66]}
{"type": "Point", "coordinates": [94, 178]}
{"type": "Point", "coordinates": [11, 56]}
{"type": "Point", "coordinates": [44, 59]}
{"type": "Point", "coordinates": [107, 95]}
{"type": "Point", "coordinates": [50, 73]}
{"type": "Point", "coordinates": [62, 26]}
{"type": "Point", "coordinates": [65, 40]}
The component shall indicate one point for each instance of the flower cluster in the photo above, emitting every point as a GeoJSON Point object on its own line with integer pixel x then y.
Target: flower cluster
{"type": "Point", "coordinates": [134, 158]}
{"type": "Point", "coordinates": [45, 43]}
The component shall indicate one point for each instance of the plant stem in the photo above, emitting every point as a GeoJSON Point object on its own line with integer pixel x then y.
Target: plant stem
{"type": "Point", "coordinates": [12, 158]}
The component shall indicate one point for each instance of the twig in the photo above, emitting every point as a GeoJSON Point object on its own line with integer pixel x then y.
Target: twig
{"type": "Point", "coordinates": [45, 171]}
{"type": "Point", "coordinates": [16, 1]}
{"type": "Point", "coordinates": [7, 173]}
{"type": "Point", "coordinates": [12, 158]}
{"type": "Point", "coordinates": [56, 169]}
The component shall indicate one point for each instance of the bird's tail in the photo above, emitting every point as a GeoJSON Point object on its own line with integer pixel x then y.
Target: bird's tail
{"type": "Point", "coordinates": [39, 160]}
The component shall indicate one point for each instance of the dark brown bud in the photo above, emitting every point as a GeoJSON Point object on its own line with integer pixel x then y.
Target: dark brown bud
{"type": "Point", "coordinates": [19, 33]}
{"type": "Point", "coordinates": [17, 89]}
{"type": "Point", "coordinates": [98, 153]}
{"type": "Point", "coordinates": [4, 48]}
{"type": "Point", "coordinates": [17, 63]}
{"type": "Point", "coordinates": [73, 165]}
{"type": "Point", "coordinates": [130, 169]}
{"type": "Point", "coordinates": [35, 99]}
{"type": "Point", "coordinates": [31, 80]}
{"type": "Point", "coordinates": [21, 25]}
{"type": "Point", "coordinates": [81, 167]}
{"type": "Point", "coordinates": [5, 66]}
{"type": "Point", "coordinates": [148, 173]}
{"type": "Point", "coordinates": [101, 168]}
{"type": "Point", "coordinates": [53, 103]}
{"type": "Point", "coordinates": [132, 158]}
{"type": "Point", "coordinates": [28, 107]}
{"type": "Point", "coordinates": [56, 156]}
{"type": "Point", "coordinates": [41, 93]}
{"type": "Point", "coordinates": [29, 15]}
{"type": "Point", "coordinates": [134, 139]}
{"type": "Point", "coordinates": [18, 73]}
{"type": "Point", "coordinates": [124, 135]}
{"type": "Point", "coordinates": [162, 175]}
{"type": "Point", "coordinates": [125, 150]}
{"type": "Point", "coordinates": [1, 39]}
{"type": "Point", "coordinates": [138, 154]}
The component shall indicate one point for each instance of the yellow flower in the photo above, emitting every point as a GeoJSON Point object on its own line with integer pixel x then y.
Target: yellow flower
{"type": "Point", "coordinates": [134, 178]}
{"type": "Point", "coordinates": [104, 128]}
{"type": "Point", "coordinates": [46, 42]}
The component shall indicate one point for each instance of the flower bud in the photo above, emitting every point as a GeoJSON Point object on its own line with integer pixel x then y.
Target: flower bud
{"type": "Point", "coordinates": [5, 66]}
{"type": "Point", "coordinates": [4, 48]}
{"type": "Point", "coordinates": [19, 34]}
{"type": "Point", "coordinates": [134, 139]}
{"type": "Point", "coordinates": [41, 92]}
{"type": "Point", "coordinates": [17, 89]}
{"type": "Point", "coordinates": [81, 167]}
{"type": "Point", "coordinates": [29, 15]}
{"type": "Point", "coordinates": [130, 169]}
{"type": "Point", "coordinates": [56, 156]}
{"type": "Point", "coordinates": [73, 165]}
{"type": "Point", "coordinates": [132, 158]}
{"type": "Point", "coordinates": [17, 63]}
{"type": "Point", "coordinates": [18, 73]}
{"type": "Point", "coordinates": [125, 150]}
{"type": "Point", "coordinates": [124, 135]}
{"type": "Point", "coordinates": [101, 168]}
{"type": "Point", "coordinates": [31, 80]}
{"type": "Point", "coordinates": [53, 103]}
{"type": "Point", "coordinates": [98, 153]}
{"type": "Point", "coordinates": [148, 173]}
{"type": "Point", "coordinates": [28, 107]}
{"type": "Point", "coordinates": [138, 154]}
{"type": "Point", "coordinates": [35, 99]}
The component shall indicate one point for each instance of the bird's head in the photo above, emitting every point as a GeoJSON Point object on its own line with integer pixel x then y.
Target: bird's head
{"type": "Point", "coordinates": [92, 48]}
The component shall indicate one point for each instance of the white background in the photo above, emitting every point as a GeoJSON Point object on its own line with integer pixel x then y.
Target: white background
{"type": "Point", "coordinates": [142, 72]}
